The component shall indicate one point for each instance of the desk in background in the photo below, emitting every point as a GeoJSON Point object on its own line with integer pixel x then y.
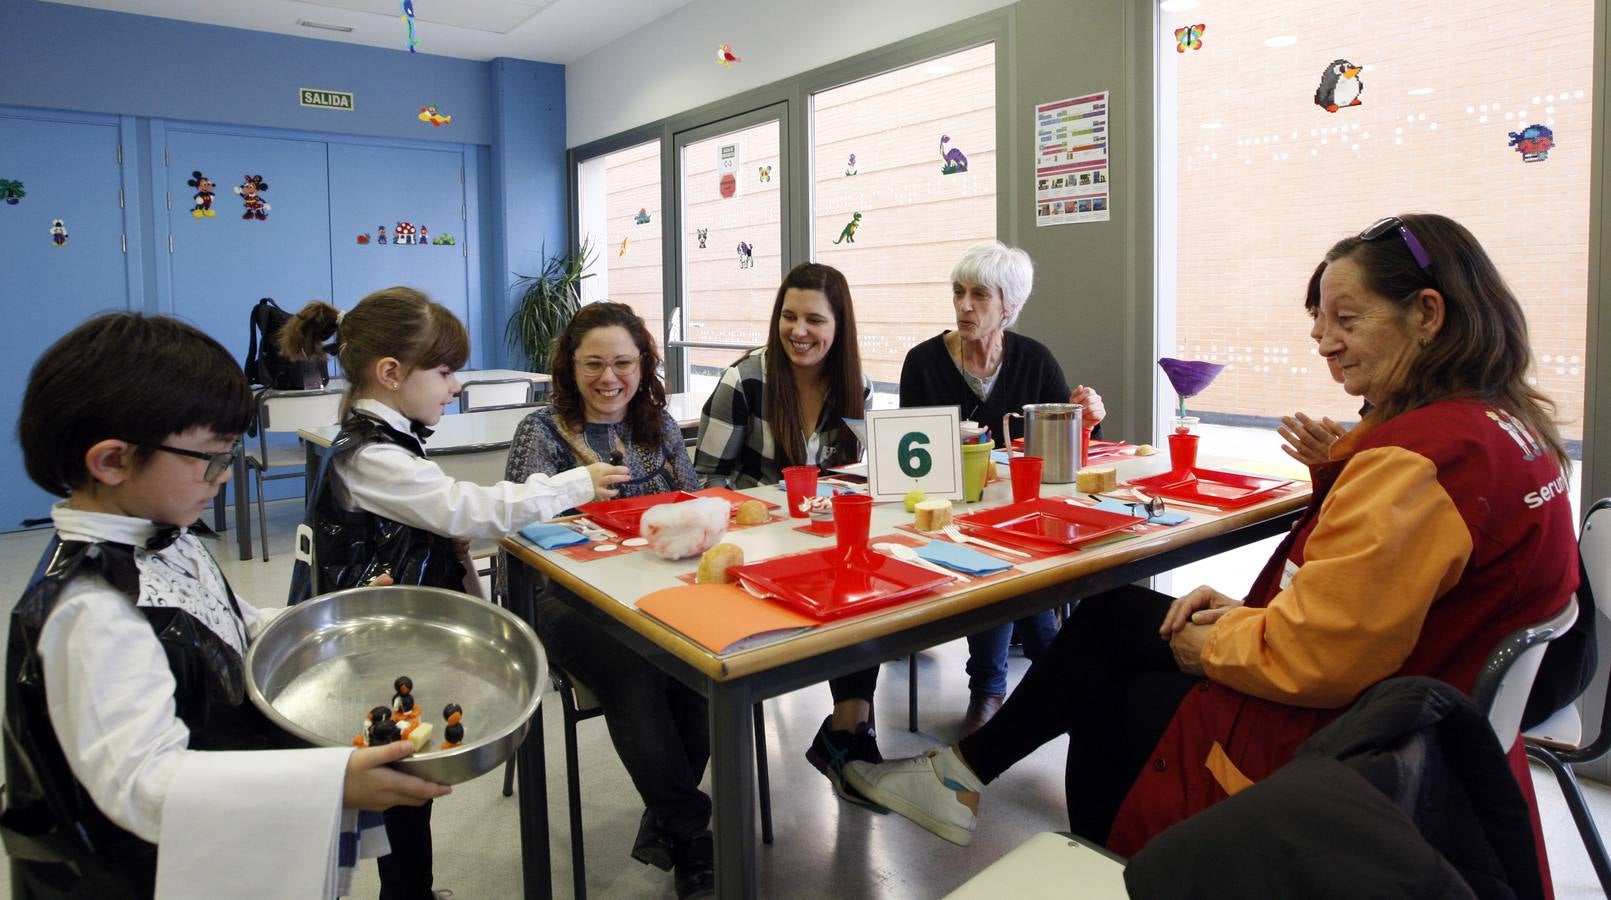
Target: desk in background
{"type": "Point", "coordinates": [606, 592]}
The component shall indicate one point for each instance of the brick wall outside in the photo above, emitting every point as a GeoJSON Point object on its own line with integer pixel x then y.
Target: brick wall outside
{"type": "Point", "coordinates": [1263, 195]}
{"type": "Point", "coordinates": [915, 222]}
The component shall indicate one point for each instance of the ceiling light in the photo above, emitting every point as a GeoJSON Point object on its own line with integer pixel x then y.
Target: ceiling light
{"type": "Point", "coordinates": [323, 26]}
{"type": "Point", "coordinates": [1284, 40]}
{"type": "Point", "coordinates": [938, 69]}
{"type": "Point", "coordinates": [1177, 5]}
{"type": "Point", "coordinates": [1417, 92]}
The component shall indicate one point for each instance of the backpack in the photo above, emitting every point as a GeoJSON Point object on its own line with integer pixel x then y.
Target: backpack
{"type": "Point", "coordinates": [266, 366]}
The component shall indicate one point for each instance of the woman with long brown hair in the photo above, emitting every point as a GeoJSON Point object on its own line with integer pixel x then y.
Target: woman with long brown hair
{"type": "Point", "coordinates": [786, 404]}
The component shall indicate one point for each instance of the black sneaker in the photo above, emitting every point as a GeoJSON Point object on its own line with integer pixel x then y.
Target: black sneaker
{"type": "Point", "coordinates": [831, 750]}
{"type": "Point", "coordinates": [696, 867]}
{"type": "Point", "coordinates": [653, 847]}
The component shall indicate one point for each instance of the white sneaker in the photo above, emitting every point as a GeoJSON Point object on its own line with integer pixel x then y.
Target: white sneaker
{"type": "Point", "coordinates": [934, 790]}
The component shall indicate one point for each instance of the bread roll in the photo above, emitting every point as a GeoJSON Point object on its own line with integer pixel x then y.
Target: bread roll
{"type": "Point", "coordinates": [932, 515]}
{"type": "Point", "coordinates": [1096, 479]}
{"type": "Point", "coordinates": [1145, 450]}
{"type": "Point", "coordinates": [717, 560]}
{"type": "Point", "coordinates": [752, 512]}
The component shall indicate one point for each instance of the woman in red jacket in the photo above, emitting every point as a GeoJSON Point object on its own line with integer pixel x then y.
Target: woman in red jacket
{"type": "Point", "coordinates": [1439, 525]}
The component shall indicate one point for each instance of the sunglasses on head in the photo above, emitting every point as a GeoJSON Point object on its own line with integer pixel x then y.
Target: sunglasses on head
{"type": "Point", "coordinates": [1395, 224]}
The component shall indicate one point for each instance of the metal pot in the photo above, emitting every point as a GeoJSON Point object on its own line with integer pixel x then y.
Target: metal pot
{"type": "Point", "coordinates": [320, 665]}
{"type": "Point", "coordinates": [1054, 432]}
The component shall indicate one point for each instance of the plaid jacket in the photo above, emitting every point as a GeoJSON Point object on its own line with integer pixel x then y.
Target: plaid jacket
{"type": "Point", "coordinates": [735, 447]}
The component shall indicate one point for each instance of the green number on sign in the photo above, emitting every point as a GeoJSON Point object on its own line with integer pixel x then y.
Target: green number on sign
{"type": "Point", "coordinates": [915, 461]}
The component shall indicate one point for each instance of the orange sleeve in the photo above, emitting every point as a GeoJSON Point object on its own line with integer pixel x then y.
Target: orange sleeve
{"type": "Point", "coordinates": [1388, 543]}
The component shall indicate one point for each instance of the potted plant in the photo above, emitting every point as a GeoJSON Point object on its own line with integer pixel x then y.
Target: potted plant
{"type": "Point", "coordinates": [545, 304]}
{"type": "Point", "coordinates": [11, 191]}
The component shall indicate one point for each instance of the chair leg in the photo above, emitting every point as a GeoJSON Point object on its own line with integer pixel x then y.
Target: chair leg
{"type": "Point", "coordinates": [911, 692]}
{"type": "Point", "coordinates": [1573, 794]}
{"type": "Point", "coordinates": [509, 777]}
{"type": "Point", "coordinates": [220, 522]}
{"type": "Point", "coordinates": [762, 782]}
{"type": "Point", "coordinates": [262, 516]}
{"type": "Point", "coordinates": [573, 789]}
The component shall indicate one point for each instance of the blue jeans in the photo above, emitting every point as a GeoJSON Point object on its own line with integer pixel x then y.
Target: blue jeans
{"type": "Point", "coordinates": [987, 650]}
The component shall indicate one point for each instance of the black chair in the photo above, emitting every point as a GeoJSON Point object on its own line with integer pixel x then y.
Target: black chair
{"type": "Point", "coordinates": [577, 704]}
{"type": "Point", "coordinates": [1561, 742]}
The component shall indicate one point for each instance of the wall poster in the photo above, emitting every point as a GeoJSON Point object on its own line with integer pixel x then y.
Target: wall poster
{"type": "Point", "coordinates": [1071, 160]}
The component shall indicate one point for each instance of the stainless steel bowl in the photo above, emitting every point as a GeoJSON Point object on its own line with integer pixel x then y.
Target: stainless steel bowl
{"type": "Point", "coordinates": [320, 666]}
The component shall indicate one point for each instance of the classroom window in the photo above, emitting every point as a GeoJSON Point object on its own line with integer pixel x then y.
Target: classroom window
{"type": "Point", "coordinates": [903, 181]}
{"type": "Point", "coordinates": [618, 213]}
{"type": "Point", "coordinates": [1257, 180]}
{"type": "Point", "coordinates": [732, 240]}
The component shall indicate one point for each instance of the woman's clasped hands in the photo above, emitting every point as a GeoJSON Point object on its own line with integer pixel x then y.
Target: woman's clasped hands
{"type": "Point", "coordinates": [1186, 625]}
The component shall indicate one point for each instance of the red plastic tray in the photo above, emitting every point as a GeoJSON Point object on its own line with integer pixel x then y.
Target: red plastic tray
{"type": "Point", "coordinates": [820, 585]}
{"type": "Point", "coordinates": [1226, 490]}
{"type": "Point", "coordinates": [1047, 521]}
{"type": "Point", "coordinates": [624, 514]}
{"type": "Point", "coordinates": [731, 496]}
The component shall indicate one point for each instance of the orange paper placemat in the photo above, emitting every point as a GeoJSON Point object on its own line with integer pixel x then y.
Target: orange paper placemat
{"type": "Point", "coordinates": [717, 616]}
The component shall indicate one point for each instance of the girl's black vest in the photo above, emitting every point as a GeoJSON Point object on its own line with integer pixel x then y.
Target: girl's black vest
{"type": "Point", "coordinates": [352, 548]}
{"type": "Point", "coordinates": [60, 844]}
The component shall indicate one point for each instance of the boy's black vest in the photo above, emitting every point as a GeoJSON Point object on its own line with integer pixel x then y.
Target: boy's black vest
{"type": "Point", "coordinates": [354, 547]}
{"type": "Point", "coordinates": [60, 843]}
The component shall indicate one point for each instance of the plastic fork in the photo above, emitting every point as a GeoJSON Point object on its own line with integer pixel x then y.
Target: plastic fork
{"type": "Point", "coordinates": [954, 533]}
{"type": "Point", "coordinates": [907, 554]}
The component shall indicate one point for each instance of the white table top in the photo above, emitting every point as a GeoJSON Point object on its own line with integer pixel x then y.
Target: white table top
{"type": "Point", "coordinates": [686, 408]}
{"type": "Point", "coordinates": [467, 375]}
{"type": "Point", "coordinates": [466, 432]}
{"type": "Point", "coordinates": [629, 577]}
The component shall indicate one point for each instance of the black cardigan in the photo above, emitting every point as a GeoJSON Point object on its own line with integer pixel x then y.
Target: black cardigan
{"type": "Point", "coordinates": [1028, 374]}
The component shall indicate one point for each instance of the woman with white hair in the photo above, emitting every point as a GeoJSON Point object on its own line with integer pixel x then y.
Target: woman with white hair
{"type": "Point", "coordinates": [987, 371]}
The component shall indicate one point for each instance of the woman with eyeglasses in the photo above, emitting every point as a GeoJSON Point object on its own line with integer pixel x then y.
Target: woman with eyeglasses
{"type": "Point", "coordinates": [608, 405]}
{"type": "Point", "coordinates": [1440, 525]}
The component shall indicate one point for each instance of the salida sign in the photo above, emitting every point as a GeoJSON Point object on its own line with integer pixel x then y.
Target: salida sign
{"type": "Point", "coordinates": [326, 99]}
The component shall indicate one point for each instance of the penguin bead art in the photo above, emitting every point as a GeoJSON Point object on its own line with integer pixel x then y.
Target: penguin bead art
{"type": "Point", "coordinates": [384, 732]}
{"type": "Point", "coordinates": [453, 735]}
{"type": "Point", "coordinates": [376, 716]}
{"type": "Point", "coordinates": [1339, 86]}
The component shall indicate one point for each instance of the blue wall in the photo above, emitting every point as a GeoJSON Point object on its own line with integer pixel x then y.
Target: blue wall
{"type": "Point", "coordinates": [71, 57]}
{"type": "Point", "coordinates": [143, 68]}
{"type": "Point", "coordinates": [526, 98]}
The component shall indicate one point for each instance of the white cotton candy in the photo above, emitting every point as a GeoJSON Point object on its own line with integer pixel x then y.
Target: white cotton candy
{"type": "Point", "coordinates": [689, 528]}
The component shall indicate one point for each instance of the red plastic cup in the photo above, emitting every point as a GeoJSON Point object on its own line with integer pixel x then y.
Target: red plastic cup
{"type": "Point", "coordinates": [1182, 453]}
{"type": "Point", "coordinates": [852, 517]}
{"type": "Point", "coordinates": [1025, 472]}
{"type": "Point", "coordinates": [801, 484]}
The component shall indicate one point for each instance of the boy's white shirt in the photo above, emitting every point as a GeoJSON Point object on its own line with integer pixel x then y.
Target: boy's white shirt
{"type": "Point", "coordinates": [390, 481]}
{"type": "Point", "coordinates": [226, 823]}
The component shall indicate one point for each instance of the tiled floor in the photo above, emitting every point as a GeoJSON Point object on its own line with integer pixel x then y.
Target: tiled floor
{"type": "Point", "coordinates": [824, 848]}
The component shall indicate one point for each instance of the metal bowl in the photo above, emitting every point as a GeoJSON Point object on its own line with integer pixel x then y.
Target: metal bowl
{"type": "Point", "coordinates": [320, 666]}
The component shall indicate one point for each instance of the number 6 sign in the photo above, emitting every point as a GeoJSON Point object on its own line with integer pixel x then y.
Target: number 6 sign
{"type": "Point", "coordinates": [915, 449]}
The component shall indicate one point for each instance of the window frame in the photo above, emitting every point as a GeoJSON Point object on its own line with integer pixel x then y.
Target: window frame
{"type": "Point", "coordinates": [792, 96]}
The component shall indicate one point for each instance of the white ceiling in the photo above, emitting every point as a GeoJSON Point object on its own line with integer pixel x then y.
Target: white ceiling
{"type": "Point", "coordinates": [555, 31]}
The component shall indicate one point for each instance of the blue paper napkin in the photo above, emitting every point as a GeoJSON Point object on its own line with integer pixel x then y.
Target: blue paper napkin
{"type": "Point", "coordinates": [963, 559]}
{"type": "Point", "coordinates": [1125, 509]}
{"type": "Point", "coordinates": [549, 537]}
{"type": "Point", "coordinates": [823, 490]}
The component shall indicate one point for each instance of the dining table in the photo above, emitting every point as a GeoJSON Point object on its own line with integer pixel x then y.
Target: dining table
{"type": "Point", "coordinates": [605, 588]}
